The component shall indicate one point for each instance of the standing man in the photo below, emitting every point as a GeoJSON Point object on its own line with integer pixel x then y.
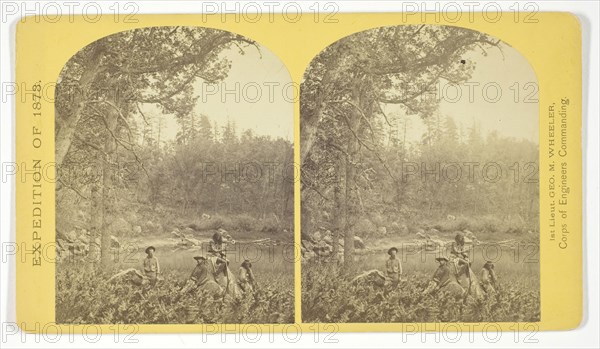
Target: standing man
{"type": "Point", "coordinates": [151, 267]}
{"type": "Point", "coordinates": [393, 267]}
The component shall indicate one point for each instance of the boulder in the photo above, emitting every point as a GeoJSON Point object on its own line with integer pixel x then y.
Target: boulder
{"type": "Point", "coordinates": [177, 234]}
{"type": "Point", "coordinates": [153, 227]}
{"type": "Point", "coordinates": [382, 231]}
{"type": "Point", "coordinates": [373, 277]}
{"type": "Point", "coordinates": [120, 226]}
{"type": "Point", "coordinates": [358, 243]}
{"type": "Point", "coordinates": [70, 236]}
{"type": "Point", "coordinates": [320, 246]}
{"type": "Point", "coordinates": [400, 228]}
{"type": "Point", "coordinates": [130, 275]}
{"type": "Point", "coordinates": [83, 237]}
{"type": "Point", "coordinates": [404, 229]}
{"type": "Point", "coordinates": [81, 215]}
{"type": "Point", "coordinates": [194, 226]}
{"type": "Point", "coordinates": [307, 245]}
{"type": "Point", "coordinates": [114, 242]}
{"type": "Point", "coordinates": [137, 230]}
{"type": "Point", "coordinates": [316, 236]}
{"type": "Point", "coordinates": [187, 242]}
{"type": "Point", "coordinates": [308, 256]}
{"type": "Point", "coordinates": [324, 251]}
{"type": "Point", "coordinates": [195, 242]}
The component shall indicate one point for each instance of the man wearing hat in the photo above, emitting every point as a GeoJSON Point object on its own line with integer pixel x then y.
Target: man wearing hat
{"type": "Point", "coordinates": [202, 276]}
{"type": "Point", "coordinates": [200, 273]}
{"type": "Point", "coordinates": [393, 267]}
{"type": "Point", "coordinates": [151, 267]}
{"type": "Point", "coordinates": [488, 277]}
{"type": "Point", "coordinates": [246, 276]}
{"type": "Point", "coordinates": [441, 277]}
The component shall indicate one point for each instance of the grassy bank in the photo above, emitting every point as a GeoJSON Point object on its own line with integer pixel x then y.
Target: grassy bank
{"type": "Point", "coordinates": [87, 298]}
{"type": "Point", "coordinates": [329, 296]}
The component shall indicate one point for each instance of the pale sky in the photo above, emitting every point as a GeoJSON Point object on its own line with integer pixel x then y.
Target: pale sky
{"type": "Point", "coordinates": [257, 94]}
{"type": "Point", "coordinates": [508, 72]}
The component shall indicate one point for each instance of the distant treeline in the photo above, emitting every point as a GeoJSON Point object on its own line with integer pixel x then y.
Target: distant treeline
{"type": "Point", "coordinates": [451, 173]}
{"type": "Point", "coordinates": [208, 169]}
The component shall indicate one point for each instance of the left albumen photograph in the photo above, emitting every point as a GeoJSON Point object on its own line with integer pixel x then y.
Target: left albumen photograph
{"type": "Point", "coordinates": [175, 181]}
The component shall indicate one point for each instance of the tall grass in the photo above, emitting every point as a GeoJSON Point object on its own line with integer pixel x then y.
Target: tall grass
{"type": "Point", "coordinates": [329, 296]}
{"type": "Point", "coordinates": [86, 297]}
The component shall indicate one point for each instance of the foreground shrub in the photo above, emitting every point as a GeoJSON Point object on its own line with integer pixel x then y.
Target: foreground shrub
{"type": "Point", "coordinates": [329, 296]}
{"type": "Point", "coordinates": [85, 299]}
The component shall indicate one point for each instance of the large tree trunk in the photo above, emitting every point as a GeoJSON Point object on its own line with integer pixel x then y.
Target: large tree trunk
{"type": "Point", "coordinates": [105, 229]}
{"type": "Point", "coordinates": [348, 207]}
{"type": "Point", "coordinates": [308, 134]}
{"type": "Point", "coordinates": [305, 219]}
{"type": "Point", "coordinates": [110, 147]}
{"type": "Point", "coordinates": [96, 219]}
{"type": "Point", "coordinates": [67, 121]}
{"type": "Point", "coordinates": [351, 196]}
{"type": "Point", "coordinates": [399, 193]}
{"type": "Point", "coordinates": [340, 206]}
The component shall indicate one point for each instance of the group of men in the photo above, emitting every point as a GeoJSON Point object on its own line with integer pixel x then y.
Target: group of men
{"type": "Point", "coordinates": [208, 268]}
{"type": "Point", "coordinates": [217, 264]}
{"type": "Point", "coordinates": [458, 264]}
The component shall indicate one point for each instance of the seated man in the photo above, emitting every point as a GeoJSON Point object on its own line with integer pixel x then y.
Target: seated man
{"type": "Point", "coordinates": [217, 244]}
{"type": "Point", "coordinates": [203, 276]}
{"type": "Point", "coordinates": [441, 277]}
{"type": "Point", "coordinates": [200, 273]}
{"type": "Point", "coordinates": [246, 279]}
{"type": "Point", "coordinates": [459, 253]}
{"type": "Point", "coordinates": [488, 277]}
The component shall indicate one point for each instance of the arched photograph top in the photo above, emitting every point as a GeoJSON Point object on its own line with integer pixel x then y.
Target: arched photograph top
{"type": "Point", "coordinates": [419, 157]}
{"type": "Point", "coordinates": [174, 149]}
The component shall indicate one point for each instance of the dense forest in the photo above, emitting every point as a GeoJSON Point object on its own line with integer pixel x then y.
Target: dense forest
{"type": "Point", "coordinates": [209, 169]}
{"type": "Point", "coordinates": [360, 175]}
{"type": "Point", "coordinates": [117, 170]}
{"type": "Point", "coordinates": [383, 200]}
{"type": "Point", "coordinates": [487, 181]}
